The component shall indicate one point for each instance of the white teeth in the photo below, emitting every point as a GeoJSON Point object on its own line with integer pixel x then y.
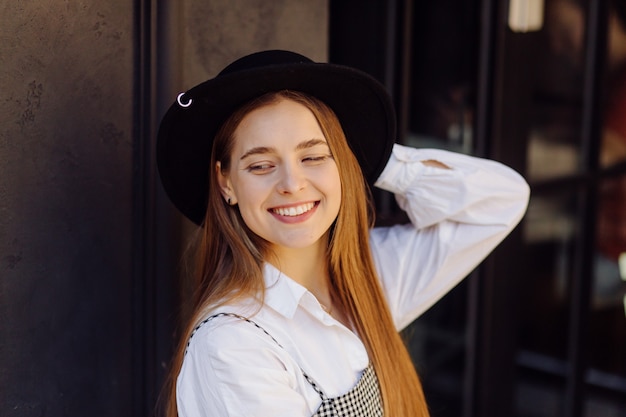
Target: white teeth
{"type": "Point", "coordinates": [294, 211]}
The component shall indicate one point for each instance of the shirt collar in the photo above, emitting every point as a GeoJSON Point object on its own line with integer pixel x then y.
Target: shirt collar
{"type": "Point", "coordinates": [282, 293]}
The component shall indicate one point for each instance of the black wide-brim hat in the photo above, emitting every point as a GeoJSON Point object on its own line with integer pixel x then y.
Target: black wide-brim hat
{"type": "Point", "coordinates": [186, 134]}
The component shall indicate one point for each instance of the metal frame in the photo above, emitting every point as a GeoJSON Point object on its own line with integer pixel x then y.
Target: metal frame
{"type": "Point", "coordinates": [156, 231]}
{"type": "Point", "coordinates": [597, 17]}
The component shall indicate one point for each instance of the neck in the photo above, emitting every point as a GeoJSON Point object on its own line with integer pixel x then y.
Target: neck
{"type": "Point", "coordinates": [307, 266]}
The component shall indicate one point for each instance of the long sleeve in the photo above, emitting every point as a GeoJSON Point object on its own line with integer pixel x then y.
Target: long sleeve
{"type": "Point", "coordinates": [458, 215]}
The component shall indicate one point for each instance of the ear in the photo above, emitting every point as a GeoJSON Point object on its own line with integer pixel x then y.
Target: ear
{"type": "Point", "coordinates": [223, 179]}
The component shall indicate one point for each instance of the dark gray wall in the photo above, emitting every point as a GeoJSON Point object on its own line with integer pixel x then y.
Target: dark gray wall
{"type": "Point", "coordinates": [88, 243]}
{"type": "Point", "coordinates": [66, 162]}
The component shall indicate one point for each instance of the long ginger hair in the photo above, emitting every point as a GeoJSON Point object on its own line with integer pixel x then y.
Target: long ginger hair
{"type": "Point", "coordinates": [225, 237]}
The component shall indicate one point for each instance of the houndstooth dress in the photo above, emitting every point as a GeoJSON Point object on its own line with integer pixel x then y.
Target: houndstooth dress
{"type": "Point", "coordinates": [363, 400]}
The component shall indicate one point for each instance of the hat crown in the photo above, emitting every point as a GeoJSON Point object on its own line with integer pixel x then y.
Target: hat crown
{"type": "Point", "coordinates": [265, 59]}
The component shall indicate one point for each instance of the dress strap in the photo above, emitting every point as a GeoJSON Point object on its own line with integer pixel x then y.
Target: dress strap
{"type": "Point", "coordinates": [208, 319]}
{"type": "Point", "coordinates": [310, 380]}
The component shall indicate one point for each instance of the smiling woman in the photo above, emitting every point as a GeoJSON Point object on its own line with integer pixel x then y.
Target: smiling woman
{"type": "Point", "coordinates": [298, 301]}
{"type": "Point", "coordinates": [283, 177]}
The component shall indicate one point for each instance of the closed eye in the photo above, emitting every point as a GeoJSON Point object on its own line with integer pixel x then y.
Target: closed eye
{"type": "Point", "coordinates": [316, 158]}
{"type": "Point", "coordinates": [260, 167]}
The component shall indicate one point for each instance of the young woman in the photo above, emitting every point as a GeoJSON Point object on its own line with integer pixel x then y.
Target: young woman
{"type": "Point", "coordinates": [298, 300]}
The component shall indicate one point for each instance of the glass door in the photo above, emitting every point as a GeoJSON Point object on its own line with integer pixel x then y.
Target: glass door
{"type": "Point", "coordinates": [572, 352]}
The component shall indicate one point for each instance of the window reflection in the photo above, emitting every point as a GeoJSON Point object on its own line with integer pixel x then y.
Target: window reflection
{"type": "Point", "coordinates": [608, 319]}
{"type": "Point", "coordinates": [443, 75]}
{"type": "Point", "coordinates": [555, 150]}
{"type": "Point", "coordinates": [549, 233]}
{"type": "Point", "coordinates": [554, 144]}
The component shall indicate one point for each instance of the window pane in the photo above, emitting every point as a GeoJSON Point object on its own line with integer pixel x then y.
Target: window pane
{"type": "Point", "coordinates": [549, 233]}
{"type": "Point", "coordinates": [538, 396]}
{"type": "Point", "coordinates": [437, 344]}
{"type": "Point", "coordinates": [443, 75]}
{"type": "Point", "coordinates": [613, 149]}
{"type": "Point", "coordinates": [605, 405]}
{"type": "Point", "coordinates": [549, 236]}
{"type": "Point", "coordinates": [554, 144]}
{"type": "Point", "coordinates": [607, 320]}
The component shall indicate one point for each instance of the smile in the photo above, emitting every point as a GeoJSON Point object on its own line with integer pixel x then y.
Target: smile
{"type": "Point", "coordinates": [293, 211]}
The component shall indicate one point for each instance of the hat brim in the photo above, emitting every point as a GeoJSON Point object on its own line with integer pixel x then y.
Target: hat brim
{"type": "Point", "coordinates": [186, 134]}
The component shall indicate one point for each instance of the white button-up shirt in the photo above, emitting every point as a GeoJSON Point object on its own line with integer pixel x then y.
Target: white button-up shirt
{"type": "Point", "coordinates": [458, 216]}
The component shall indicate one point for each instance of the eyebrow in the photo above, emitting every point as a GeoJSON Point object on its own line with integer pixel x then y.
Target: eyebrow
{"type": "Point", "coordinates": [302, 145]}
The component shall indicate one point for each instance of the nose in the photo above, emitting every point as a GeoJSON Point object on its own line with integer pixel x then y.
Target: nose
{"type": "Point", "coordinates": [292, 179]}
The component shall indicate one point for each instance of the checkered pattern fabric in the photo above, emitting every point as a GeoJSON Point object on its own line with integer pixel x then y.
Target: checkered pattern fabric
{"type": "Point", "coordinates": [361, 401]}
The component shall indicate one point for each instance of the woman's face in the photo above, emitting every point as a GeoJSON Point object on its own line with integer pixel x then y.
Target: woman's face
{"type": "Point", "coordinates": [283, 177]}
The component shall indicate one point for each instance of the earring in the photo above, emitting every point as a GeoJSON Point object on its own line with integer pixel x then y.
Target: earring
{"type": "Point", "coordinates": [228, 201]}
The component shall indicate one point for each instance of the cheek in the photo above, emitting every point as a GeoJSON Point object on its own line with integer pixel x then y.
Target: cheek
{"type": "Point", "coordinates": [248, 199]}
{"type": "Point", "coordinates": [246, 187]}
{"type": "Point", "coordinates": [336, 189]}
{"type": "Point", "coordinates": [249, 209]}
{"type": "Point", "coordinates": [251, 195]}
{"type": "Point", "coordinates": [339, 198]}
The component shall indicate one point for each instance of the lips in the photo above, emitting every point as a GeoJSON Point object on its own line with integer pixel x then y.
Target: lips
{"type": "Point", "coordinates": [293, 211]}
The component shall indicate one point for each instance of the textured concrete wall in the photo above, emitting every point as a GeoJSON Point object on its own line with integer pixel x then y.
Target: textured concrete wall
{"type": "Point", "coordinates": [65, 203]}
{"type": "Point", "coordinates": [197, 39]}
{"type": "Point", "coordinates": [215, 32]}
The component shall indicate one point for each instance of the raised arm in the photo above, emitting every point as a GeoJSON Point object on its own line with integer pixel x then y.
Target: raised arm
{"type": "Point", "coordinates": [461, 207]}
